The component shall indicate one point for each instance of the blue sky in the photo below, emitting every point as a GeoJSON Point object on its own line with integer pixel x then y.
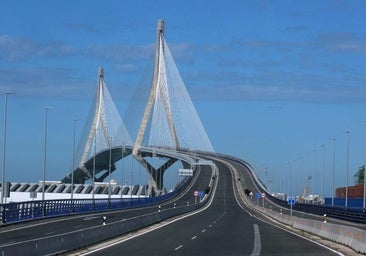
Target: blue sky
{"type": "Point", "coordinates": [271, 80]}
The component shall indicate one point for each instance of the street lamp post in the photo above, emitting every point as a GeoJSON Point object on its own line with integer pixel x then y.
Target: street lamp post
{"type": "Point", "coordinates": [4, 147]}
{"type": "Point", "coordinates": [333, 182]}
{"type": "Point", "coordinates": [364, 185]}
{"type": "Point", "coordinates": [93, 181]}
{"type": "Point", "coordinates": [293, 178]}
{"type": "Point", "coordinates": [109, 173]}
{"type": "Point", "coordinates": [314, 174]}
{"type": "Point", "coordinates": [123, 152]}
{"type": "Point", "coordinates": [346, 201]}
{"type": "Point", "coordinates": [45, 160]}
{"type": "Point", "coordinates": [322, 174]}
{"type": "Point", "coordinates": [73, 164]}
{"type": "Point", "coordinates": [132, 177]}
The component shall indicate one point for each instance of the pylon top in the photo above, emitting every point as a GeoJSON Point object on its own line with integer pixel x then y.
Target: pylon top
{"type": "Point", "coordinates": [161, 26]}
{"type": "Point", "coordinates": [101, 72]}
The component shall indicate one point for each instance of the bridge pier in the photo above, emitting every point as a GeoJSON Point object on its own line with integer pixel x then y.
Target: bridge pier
{"type": "Point", "coordinates": [156, 180]}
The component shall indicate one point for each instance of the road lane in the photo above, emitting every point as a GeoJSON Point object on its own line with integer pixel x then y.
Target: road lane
{"type": "Point", "coordinates": [23, 232]}
{"type": "Point", "coordinates": [223, 229]}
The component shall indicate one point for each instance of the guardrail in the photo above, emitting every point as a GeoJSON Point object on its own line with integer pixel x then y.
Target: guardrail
{"type": "Point", "coordinates": [349, 236]}
{"type": "Point", "coordinates": [352, 237]}
{"type": "Point", "coordinates": [62, 243]}
{"type": "Point", "coordinates": [357, 215]}
{"type": "Point", "coordinates": [32, 210]}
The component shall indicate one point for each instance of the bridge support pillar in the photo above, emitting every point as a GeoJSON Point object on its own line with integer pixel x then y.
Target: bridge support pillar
{"type": "Point", "coordinates": [156, 180]}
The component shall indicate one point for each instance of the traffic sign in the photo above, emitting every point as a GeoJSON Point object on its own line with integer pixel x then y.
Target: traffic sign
{"type": "Point", "coordinates": [291, 200]}
{"type": "Point", "coordinates": [263, 195]}
{"type": "Point", "coordinates": [195, 193]}
{"type": "Point", "coordinates": [185, 172]}
{"type": "Point", "coordinates": [257, 195]}
{"type": "Point", "coordinates": [201, 194]}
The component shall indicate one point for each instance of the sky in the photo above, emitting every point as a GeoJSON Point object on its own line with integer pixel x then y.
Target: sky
{"type": "Point", "coordinates": [272, 81]}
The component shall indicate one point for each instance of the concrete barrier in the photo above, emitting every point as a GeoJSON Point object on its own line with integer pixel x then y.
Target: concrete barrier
{"type": "Point", "coordinates": [352, 237]}
{"type": "Point", "coordinates": [57, 244]}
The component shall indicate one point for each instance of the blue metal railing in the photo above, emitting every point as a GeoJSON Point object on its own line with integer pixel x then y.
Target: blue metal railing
{"type": "Point", "coordinates": [354, 212]}
{"type": "Point", "coordinates": [22, 211]}
{"type": "Point", "coordinates": [31, 210]}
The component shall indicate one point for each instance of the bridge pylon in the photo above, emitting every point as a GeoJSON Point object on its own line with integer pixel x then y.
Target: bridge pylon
{"type": "Point", "coordinates": [99, 123]}
{"type": "Point", "coordinates": [105, 135]}
{"type": "Point", "coordinates": [157, 89]}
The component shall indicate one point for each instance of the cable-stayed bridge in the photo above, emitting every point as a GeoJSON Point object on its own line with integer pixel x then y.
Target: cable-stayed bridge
{"type": "Point", "coordinates": [170, 126]}
{"type": "Point", "coordinates": [169, 121]}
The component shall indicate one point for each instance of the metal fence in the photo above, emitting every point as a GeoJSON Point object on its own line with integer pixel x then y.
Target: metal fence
{"type": "Point", "coordinates": [32, 210]}
{"type": "Point", "coordinates": [62, 243]}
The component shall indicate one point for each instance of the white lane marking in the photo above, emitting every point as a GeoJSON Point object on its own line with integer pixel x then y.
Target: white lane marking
{"type": "Point", "coordinates": [257, 241]}
{"type": "Point", "coordinates": [193, 237]}
{"type": "Point", "coordinates": [179, 247]}
{"type": "Point", "coordinates": [298, 235]}
{"type": "Point", "coordinates": [91, 218]}
{"type": "Point", "coordinates": [10, 242]}
{"type": "Point", "coordinates": [203, 230]}
{"type": "Point", "coordinates": [209, 225]}
{"type": "Point", "coordinates": [158, 226]}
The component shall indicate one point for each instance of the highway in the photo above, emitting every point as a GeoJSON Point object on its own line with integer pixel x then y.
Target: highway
{"type": "Point", "coordinates": [22, 233]}
{"type": "Point", "coordinates": [224, 228]}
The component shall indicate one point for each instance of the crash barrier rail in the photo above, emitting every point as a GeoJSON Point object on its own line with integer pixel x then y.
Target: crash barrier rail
{"type": "Point", "coordinates": [349, 236]}
{"type": "Point", "coordinates": [351, 214]}
{"type": "Point", "coordinates": [62, 243]}
{"type": "Point", "coordinates": [31, 210]}
{"type": "Point", "coordinates": [353, 203]}
{"type": "Point", "coordinates": [18, 212]}
{"type": "Point", "coordinates": [356, 215]}
{"type": "Point", "coordinates": [352, 237]}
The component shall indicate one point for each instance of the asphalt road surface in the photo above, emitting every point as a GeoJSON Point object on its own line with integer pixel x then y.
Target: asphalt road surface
{"type": "Point", "coordinates": [23, 232]}
{"type": "Point", "coordinates": [224, 228]}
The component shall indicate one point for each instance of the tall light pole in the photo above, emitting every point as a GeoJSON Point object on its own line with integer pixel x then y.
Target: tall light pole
{"type": "Point", "coordinates": [322, 174]}
{"type": "Point", "coordinates": [93, 181]}
{"type": "Point", "coordinates": [346, 201]}
{"type": "Point", "coordinates": [132, 175]}
{"type": "Point", "coordinates": [109, 173]}
{"type": "Point", "coordinates": [314, 174]}
{"type": "Point", "coordinates": [4, 147]}
{"type": "Point", "coordinates": [73, 161]}
{"type": "Point", "coordinates": [266, 173]}
{"type": "Point", "coordinates": [364, 185]}
{"type": "Point", "coordinates": [333, 181]}
{"type": "Point", "coordinates": [45, 158]}
{"type": "Point", "coordinates": [293, 178]}
{"type": "Point", "coordinates": [123, 152]}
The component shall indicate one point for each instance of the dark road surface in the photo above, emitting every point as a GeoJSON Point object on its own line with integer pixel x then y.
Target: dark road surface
{"type": "Point", "coordinates": [224, 228]}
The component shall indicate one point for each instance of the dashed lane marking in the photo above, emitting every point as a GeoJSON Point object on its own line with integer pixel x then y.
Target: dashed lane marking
{"type": "Point", "coordinates": [179, 247]}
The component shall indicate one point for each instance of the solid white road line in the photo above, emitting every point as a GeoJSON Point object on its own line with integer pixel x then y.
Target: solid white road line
{"type": "Point", "coordinates": [257, 241]}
